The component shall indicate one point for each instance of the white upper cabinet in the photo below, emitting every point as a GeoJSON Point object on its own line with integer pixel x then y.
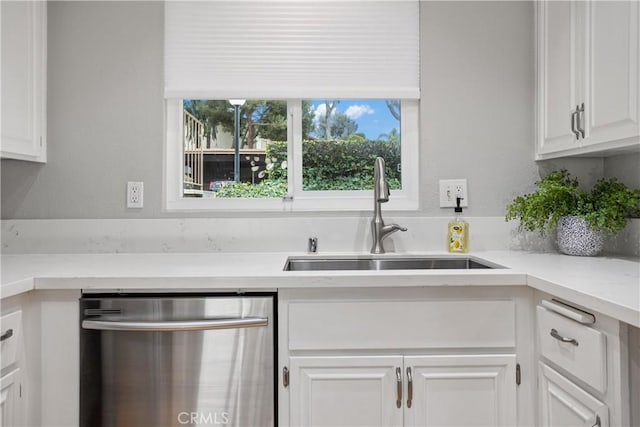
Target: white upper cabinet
{"type": "Point", "coordinates": [24, 69]}
{"type": "Point", "coordinates": [612, 110]}
{"type": "Point", "coordinates": [559, 79]}
{"type": "Point", "coordinates": [587, 78]}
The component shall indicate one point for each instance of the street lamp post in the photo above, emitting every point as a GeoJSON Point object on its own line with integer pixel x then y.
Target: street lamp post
{"type": "Point", "coordinates": [237, 103]}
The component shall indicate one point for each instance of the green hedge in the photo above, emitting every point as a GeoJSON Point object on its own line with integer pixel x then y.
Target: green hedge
{"type": "Point", "coordinates": [340, 165]}
{"type": "Point", "coordinates": [264, 189]}
{"type": "Point", "coordinates": [327, 165]}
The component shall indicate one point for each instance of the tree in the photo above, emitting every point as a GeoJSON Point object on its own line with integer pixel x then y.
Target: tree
{"type": "Point", "coordinates": [307, 119]}
{"type": "Point", "coordinates": [211, 113]}
{"type": "Point", "coordinates": [394, 107]}
{"type": "Point", "coordinates": [329, 107]}
{"type": "Point", "coordinates": [392, 136]}
{"type": "Point", "coordinates": [252, 112]}
{"type": "Point", "coordinates": [265, 119]}
{"type": "Point", "coordinates": [342, 126]}
{"type": "Point", "coordinates": [272, 123]}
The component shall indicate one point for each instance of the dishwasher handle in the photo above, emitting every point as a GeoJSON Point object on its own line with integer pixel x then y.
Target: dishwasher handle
{"type": "Point", "coordinates": [175, 325]}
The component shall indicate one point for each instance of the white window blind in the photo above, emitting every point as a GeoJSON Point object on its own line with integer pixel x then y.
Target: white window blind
{"type": "Point", "coordinates": [292, 49]}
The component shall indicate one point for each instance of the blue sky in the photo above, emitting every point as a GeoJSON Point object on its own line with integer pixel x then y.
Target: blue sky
{"type": "Point", "coordinates": [372, 116]}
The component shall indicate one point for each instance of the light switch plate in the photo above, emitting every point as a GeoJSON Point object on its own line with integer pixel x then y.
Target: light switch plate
{"type": "Point", "coordinates": [452, 188]}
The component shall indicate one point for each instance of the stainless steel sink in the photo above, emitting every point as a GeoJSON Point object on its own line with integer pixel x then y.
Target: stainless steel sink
{"type": "Point", "coordinates": [384, 263]}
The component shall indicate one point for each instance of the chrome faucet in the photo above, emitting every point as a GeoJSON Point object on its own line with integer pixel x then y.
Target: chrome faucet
{"type": "Point", "coordinates": [380, 195]}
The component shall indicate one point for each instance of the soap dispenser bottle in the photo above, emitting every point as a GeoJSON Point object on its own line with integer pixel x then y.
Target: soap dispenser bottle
{"type": "Point", "coordinates": [458, 231]}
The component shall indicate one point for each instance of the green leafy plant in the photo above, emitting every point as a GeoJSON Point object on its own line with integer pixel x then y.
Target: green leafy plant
{"type": "Point", "coordinates": [606, 208]}
{"type": "Point", "coordinates": [348, 165]}
{"type": "Point", "coordinates": [328, 165]}
{"type": "Point", "coordinates": [265, 189]}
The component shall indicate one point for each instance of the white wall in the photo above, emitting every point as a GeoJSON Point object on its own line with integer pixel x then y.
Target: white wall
{"type": "Point", "coordinates": [104, 114]}
{"type": "Point", "coordinates": [625, 167]}
{"type": "Point", "coordinates": [105, 110]}
{"type": "Point", "coordinates": [477, 101]}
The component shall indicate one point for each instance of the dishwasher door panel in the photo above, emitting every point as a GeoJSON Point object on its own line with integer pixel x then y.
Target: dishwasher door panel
{"type": "Point", "coordinates": [192, 378]}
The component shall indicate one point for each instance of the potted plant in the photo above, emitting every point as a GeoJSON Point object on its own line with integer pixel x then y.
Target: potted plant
{"type": "Point", "coordinates": [583, 219]}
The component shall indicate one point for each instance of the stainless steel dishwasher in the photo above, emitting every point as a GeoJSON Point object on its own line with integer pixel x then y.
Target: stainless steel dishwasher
{"type": "Point", "coordinates": [177, 360]}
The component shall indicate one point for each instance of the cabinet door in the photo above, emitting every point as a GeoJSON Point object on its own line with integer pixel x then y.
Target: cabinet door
{"type": "Point", "coordinates": [564, 404]}
{"type": "Point", "coordinates": [10, 399]}
{"type": "Point", "coordinates": [464, 390]}
{"type": "Point", "coordinates": [345, 391]}
{"type": "Point", "coordinates": [23, 79]}
{"type": "Point", "coordinates": [559, 74]}
{"type": "Point", "coordinates": [611, 105]}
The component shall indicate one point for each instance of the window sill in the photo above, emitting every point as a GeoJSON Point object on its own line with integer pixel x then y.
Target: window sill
{"type": "Point", "coordinates": [299, 204]}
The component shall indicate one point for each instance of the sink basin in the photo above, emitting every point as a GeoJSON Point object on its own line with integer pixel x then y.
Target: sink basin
{"type": "Point", "coordinates": [383, 263]}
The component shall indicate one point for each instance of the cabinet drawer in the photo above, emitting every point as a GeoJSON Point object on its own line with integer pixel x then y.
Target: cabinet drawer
{"type": "Point", "coordinates": [584, 357]}
{"type": "Point", "coordinates": [10, 329]}
{"type": "Point", "coordinates": [401, 324]}
{"type": "Point", "coordinates": [563, 403]}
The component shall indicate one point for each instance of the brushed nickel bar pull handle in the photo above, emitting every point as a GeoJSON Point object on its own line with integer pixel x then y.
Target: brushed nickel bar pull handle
{"type": "Point", "coordinates": [571, 312]}
{"type": "Point", "coordinates": [399, 387]}
{"type": "Point", "coordinates": [6, 335]}
{"type": "Point", "coordinates": [285, 377]}
{"type": "Point", "coordinates": [573, 123]}
{"type": "Point", "coordinates": [597, 424]}
{"type": "Point", "coordinates": [579, 120]}
{"type": "Point", "coordinates": [101, 311]}
{"type": "Point", "coordinates": [409, 387]}
{"type": "Point", "coordinates": [559, 337]}
{"type": "Point", "coordinates": [175, 326]}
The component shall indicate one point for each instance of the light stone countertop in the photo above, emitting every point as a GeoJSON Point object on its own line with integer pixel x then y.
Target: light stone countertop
{"type": "Point", "coordinates": [608, 285]}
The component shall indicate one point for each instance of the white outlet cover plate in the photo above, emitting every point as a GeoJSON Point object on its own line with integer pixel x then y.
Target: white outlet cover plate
{"type": "Point", "coordinates": [449, 189]}
{"type": "Point", "coordinates": [135, 194]}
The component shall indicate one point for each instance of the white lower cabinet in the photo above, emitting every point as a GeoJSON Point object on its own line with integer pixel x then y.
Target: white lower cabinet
{"type": "Point", "coordinates": [583, 367]}
{"type": "Point", "coordinates": [461, 390]}
{"type": "Point", "coordinates": [10, 399]}
{"type": "Point", "coordinates": [346, 391]}
{"type": "Point", "coordinates": [450, 390]}
{"type": "Point", "coordinates": [405, 357]}
{"type": "Point", "coordinates": [11, 363]}
{"type": "Point", "coordinates": [564, 404]}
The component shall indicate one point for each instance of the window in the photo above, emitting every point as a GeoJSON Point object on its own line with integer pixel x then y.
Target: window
{"type": "Point", "coordinates": [321, 73]}
{"type": "Point", "coordinates": [342, 138]}
{"type": "Point", "coordinates": [213, 166]}
{"type": "Point", "coordinates": [292, 155]}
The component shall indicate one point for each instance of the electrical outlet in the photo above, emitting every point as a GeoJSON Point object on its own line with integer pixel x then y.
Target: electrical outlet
{"type": "Point", "coordinates": [135, 194]}
{"type": "Point", "coordinates": [452, 188]}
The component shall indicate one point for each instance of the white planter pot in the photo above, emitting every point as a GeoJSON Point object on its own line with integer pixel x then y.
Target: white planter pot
{"type": "Point", "coordinates": [575, 237]}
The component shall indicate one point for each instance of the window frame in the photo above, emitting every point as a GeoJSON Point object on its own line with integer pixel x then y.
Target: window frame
{"type": "Point", "coordinates": [297, 199]}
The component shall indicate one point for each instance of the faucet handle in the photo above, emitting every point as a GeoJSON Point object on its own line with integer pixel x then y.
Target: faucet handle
{"type": "Point", "coordinates": [381, 190]}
